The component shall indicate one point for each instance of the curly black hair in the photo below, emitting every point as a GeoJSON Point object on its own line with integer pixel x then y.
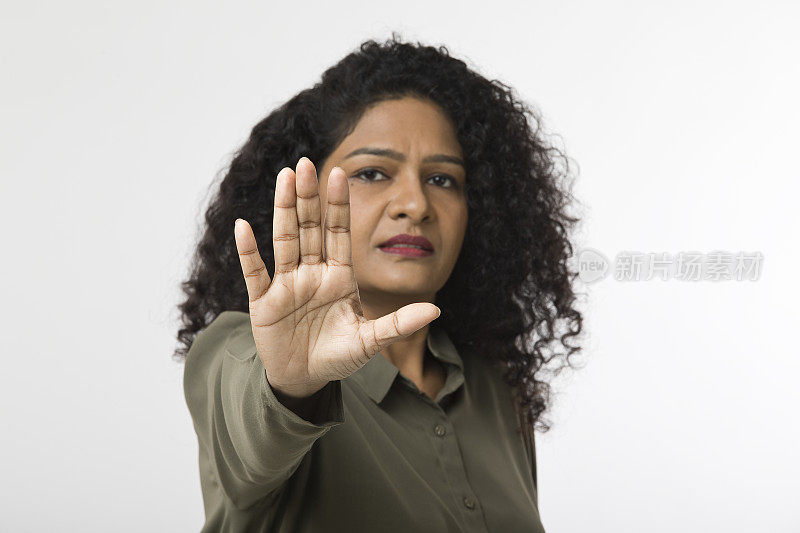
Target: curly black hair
{"type": "Point", "coordinates": [510, 295]}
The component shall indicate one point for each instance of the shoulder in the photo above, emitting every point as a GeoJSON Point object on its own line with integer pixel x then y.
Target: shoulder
{"type": "Point", "coordinates": [229, 333]}
{"type": "Point", "coordinates": [226, 326]}
{"type": "Point", "coordinates": [227, 322]}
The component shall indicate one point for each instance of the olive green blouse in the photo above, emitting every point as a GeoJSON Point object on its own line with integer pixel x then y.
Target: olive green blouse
{"type": "Point", "coordinates": [378, 454]}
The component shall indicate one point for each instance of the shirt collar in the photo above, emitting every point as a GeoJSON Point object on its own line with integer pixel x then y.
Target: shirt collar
{"type": "Point", "coordinates": [378, 375]}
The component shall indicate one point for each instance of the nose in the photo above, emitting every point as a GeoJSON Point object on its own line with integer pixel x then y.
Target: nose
{"type": "Point", "coordinates": [408, 198]}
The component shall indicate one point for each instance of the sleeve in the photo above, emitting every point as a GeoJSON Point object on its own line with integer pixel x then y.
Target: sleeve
{"type": "Point", "coordinates": [533, 463]}
{"type": "Point", "coordinates": [529, 440]}
{"type": "Point", "coordinates": [253, 442]}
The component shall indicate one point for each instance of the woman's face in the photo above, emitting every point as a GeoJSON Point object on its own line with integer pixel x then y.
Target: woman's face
{"type": "Point", "coordinates": [406, 176]}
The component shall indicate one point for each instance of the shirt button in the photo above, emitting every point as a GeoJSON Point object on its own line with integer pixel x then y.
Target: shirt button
{"type": "Point", "coordinates": [439, 430]}
{"type": "Point", "coordinates": [469, 503]}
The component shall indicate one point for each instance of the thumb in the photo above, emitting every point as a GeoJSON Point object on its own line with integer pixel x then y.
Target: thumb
{"type": "Point", "coordinates": [381, 332]}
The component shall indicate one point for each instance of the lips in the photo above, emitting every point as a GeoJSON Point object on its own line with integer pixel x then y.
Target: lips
{"type": "Point", "coordinates": [409, 241]}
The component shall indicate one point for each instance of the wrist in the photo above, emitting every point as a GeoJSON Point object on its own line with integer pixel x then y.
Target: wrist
{"type": "Point", "coordinates": [303, 403]}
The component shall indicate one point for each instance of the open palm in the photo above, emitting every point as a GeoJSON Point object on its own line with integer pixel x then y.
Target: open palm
{"type": "Point", "coordinates": [307, 322]}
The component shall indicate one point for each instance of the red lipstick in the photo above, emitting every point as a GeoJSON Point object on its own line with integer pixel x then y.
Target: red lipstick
{"type": "Point", "coordinates": [407, 245]}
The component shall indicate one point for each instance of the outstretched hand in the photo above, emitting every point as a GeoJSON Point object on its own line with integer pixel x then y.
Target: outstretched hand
{"type": "Point", "coordinates": [307, 321]}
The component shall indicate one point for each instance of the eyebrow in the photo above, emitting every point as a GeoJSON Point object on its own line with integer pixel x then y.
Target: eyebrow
{"type": "Point", "coordinates": [393, 154]}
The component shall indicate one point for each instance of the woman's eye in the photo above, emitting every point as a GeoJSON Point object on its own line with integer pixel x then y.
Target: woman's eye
{"type": "Point", "coordinates": [446, 181]}
{"type": "Point", "coordinates": [369, 173]}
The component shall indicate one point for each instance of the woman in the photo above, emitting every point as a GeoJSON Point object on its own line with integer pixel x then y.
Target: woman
{"type": "Point", "coordinates": [327, 391]}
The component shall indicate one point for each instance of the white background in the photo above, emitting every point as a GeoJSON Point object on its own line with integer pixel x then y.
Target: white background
{"type": "Point", "coordinates": [683, 119]}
